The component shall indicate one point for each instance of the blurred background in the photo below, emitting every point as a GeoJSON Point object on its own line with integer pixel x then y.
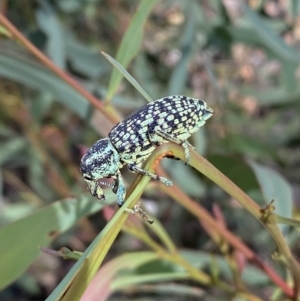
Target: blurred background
{"type": "Point", "coordinates": [241, 57]}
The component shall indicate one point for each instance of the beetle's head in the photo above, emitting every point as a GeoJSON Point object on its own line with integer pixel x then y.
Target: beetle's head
{"type": "Point", "coordinates": [101, 161]}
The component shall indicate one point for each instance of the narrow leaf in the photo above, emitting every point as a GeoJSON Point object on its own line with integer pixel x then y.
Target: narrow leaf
{"type": "Point", "coordinates": [274, 187]}
{"type": "Point", "coordinates": [11, 147]}
{"type": "Point", "coordinates": [126, 74]}
{"type": "Point", "coordinates": [131, 43]}
{"type": "Point", "coordinates": [269, 38]}
{"type": "Point", "coordinates": [25, 70]}
{"type": "Point", "coordinates": [178, 78]}
{"type": "Point", "coordinates": [101, 286]}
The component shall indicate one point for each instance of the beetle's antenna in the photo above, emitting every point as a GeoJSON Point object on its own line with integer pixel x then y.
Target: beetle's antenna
{"type": "Point", "coordinates": [110, 185]}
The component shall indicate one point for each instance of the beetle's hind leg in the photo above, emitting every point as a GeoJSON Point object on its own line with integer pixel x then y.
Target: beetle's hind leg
{"type": "Point", "coordinates": [157, 137]}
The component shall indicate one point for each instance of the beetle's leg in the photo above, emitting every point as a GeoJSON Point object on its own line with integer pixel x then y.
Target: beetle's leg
{"type": "Point", "coordinates": [119, 189]}
{"type": "Point", "coordinates": [137, 209]}
{"type": "Point", "coordinates": [157, 136]}
{"type": "Point", "coordinates": [96, 190]}
{"type": "Point", "coordinates": [114, 185]}
{"type": "Point", "coordinates": [190, 145]}
{"type": "Point", "coordinates": [136, 169]}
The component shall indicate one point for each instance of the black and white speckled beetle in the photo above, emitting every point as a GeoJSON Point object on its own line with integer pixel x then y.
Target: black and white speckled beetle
{"type": "Point", "coordinates": [131, 142]}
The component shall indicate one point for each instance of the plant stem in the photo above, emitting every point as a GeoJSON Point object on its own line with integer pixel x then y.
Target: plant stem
{"type": "Point", "coordinates": [196, 209]}
{"type": "Point", "coordinates": [207, 169]}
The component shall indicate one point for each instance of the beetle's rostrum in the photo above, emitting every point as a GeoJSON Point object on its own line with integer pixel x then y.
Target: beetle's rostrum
{"type": "Point", "coordinates": [169, 119]}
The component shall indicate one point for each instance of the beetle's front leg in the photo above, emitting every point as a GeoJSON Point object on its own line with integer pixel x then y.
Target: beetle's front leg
{"type": "Point", "coordinates": [135, 169]}
{"type": "Point", "coordinates": [120, 189]}
{"type": "Point", "coordinates": [96, 190]}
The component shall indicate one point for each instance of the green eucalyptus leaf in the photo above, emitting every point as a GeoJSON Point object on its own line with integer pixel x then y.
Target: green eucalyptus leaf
{"type": "Point", "coordinates": [251, 275]}
{"type": "Point", "coordinates": [273, 42]}
{"type": "Point", "coordinates": [179, 75]}
{"type": "Point", "coordinates": [131, 43]}
{"type": "Point", "coordinates": [11, 147]}
{"type": "Point", "coordinates": [274, 187]}
{"type": "Point", "coordinates": [17, 66]}
{"type": "Point", "coordinates": [85, 60]}
{"type": "Point", "coordinates": [50, 24]}
{"type": "Point", "coordinates": [20, 240]}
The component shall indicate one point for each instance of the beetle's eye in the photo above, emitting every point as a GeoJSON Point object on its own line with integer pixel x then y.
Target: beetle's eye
{"type": "Point", "coordinates": [87, 178]}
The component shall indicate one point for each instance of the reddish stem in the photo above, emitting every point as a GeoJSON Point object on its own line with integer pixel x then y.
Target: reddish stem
{"type": "Point", "coordinates": [48, 63]}
{"type": "Point", "coordinates": [205, 216]}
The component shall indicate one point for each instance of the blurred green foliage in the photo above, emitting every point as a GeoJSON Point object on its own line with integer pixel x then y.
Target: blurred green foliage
{"type": "Point", "coordinates": [241, 57]}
